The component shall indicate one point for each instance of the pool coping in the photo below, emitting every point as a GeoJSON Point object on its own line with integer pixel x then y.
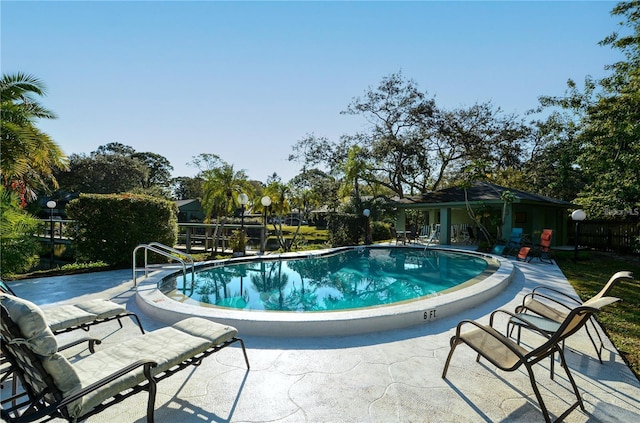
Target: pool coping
{"type": "Point", "coordinates": [333, 323]}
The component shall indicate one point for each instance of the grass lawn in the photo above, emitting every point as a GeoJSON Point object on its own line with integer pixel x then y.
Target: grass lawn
{"type": "Point", "coordinates": [621, 321]}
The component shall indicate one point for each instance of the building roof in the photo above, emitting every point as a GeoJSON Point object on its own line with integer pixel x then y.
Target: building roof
{"type": "Point", "coordinates": [181, 203]}
{"type": "Point", "coordinates": [479, 192]}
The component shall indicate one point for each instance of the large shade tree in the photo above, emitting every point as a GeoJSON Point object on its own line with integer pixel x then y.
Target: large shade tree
{"type": "Point", "coordinates": [29, 156]}
{"type": "Point", "coordinates": [411, 145]}
{"type": "Point", "coordinates": [608, 112]}
{"type": "Point", "coordinates": [117, 168]}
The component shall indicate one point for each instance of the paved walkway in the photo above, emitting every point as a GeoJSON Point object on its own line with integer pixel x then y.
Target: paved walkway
{"type": "Point", "coordinates": [380, 377]}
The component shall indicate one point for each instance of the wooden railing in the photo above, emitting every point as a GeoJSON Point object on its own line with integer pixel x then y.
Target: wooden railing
{"type": "Point", "coordinates": [55, 227]}
{"type": "Point", "coordinates": [193, 237]}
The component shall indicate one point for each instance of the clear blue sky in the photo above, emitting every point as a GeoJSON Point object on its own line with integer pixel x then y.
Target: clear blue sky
{"type": "Point", "coordinates": [247, 80]}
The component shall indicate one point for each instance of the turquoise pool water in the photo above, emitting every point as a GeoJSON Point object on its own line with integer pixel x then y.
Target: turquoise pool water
{"type": "Point", "coordinates": [351, 279]}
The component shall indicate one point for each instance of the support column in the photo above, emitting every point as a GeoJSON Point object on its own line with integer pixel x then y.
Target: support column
{"type": "Point", "coordinates": [401, 223]}
{"type": "Point", "coordinates": [445, 226]}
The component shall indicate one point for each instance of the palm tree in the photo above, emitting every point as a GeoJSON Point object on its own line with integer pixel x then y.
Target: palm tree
{"type": "Point", "coordinates": [222, 185]}
{"type": "Point", "coordinates": [29, 156]}
{"type": "Point", "coordinates": [280, 194]}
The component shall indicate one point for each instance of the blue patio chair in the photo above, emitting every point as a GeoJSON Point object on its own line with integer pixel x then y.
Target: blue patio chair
{"type": "Point", "coordinates": [515, 241]}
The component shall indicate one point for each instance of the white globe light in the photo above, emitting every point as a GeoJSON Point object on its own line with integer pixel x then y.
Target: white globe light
{"type": "Point", "coordinates": [266, 201]}
{"type": "Point", "coordinates": [243, 199]}
{"type": "Point", "coordinates": [51, 204]}
{"type": "Point", "coordinates": [578, 215]}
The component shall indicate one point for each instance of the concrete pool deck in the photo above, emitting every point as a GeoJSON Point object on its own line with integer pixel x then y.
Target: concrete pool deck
{"type": "Point", "coordinates": [391, 376]}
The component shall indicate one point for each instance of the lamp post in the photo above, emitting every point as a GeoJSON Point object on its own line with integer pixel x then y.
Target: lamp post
{"type": "Point", "coordinates": [366, 213]}
{"type": "Point", "coordinates": [266, 202]}
{"type": "Point", "coordinates": [577, 216]}
{"type": "Point", "coordinates": [243, 199]}
{"type": "Point", "coordinates": [52, 205]}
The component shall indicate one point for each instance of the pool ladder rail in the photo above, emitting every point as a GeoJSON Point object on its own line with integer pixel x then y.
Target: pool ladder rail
{"type": "Point", "coordinates": [165, 251]}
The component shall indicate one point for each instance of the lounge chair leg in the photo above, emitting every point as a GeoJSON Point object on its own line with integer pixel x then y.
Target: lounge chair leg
{"type": "Point", "coordinates": [575, 390]}
{"type": "Point", "coordinates": [593, 342]}
{"type": "Point", "coordinates": [600, 339]}
{"type": "Point", "coordinates": [573, 382]}
{"type": "Point", "coordinates": [244, 351]}
{"type": "Point", "coordinates": [135, 316]}
{"type": "Point", "coordinates": [152, 388]}
{"type": "Point", "coordinates": [446, 363]}
{"type": "Point", "coordinates": [543, 407]}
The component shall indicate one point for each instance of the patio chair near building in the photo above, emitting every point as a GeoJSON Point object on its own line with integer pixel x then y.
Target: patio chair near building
{"type": "Point", "coordinates": [429, 235]}
{"type": "Point", "coordinates": [55, 387]}
{"type": "Point", "coordinates": [542, 251]}
{"type": "Point", "coordinates": [507, 355]}
{"type": "Point", "coordinates": [515, 241]}
{"type": "Point", "coordinates": [468, 235]}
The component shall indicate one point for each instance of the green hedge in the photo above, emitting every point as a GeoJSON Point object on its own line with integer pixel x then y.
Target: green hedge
{"type": "Point", "coordinates": [110, 226]}
{"type": "Point", "coordinates": [380, 231]}
{"type": "Point", "coordinates": [345, 229]}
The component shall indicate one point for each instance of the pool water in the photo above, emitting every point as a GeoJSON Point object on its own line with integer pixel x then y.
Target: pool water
{"type": "Point", "coordinates": [351, 279]}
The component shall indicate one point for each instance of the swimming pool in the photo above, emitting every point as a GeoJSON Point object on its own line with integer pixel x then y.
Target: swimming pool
{"type": "Point", "coordinates": [350, 279]}
{"type": "Point", "coordinates": [427, 309]}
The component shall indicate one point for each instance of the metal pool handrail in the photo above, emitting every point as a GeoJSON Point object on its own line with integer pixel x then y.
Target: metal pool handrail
{"type": "Point", "coordinates": [165, 251]}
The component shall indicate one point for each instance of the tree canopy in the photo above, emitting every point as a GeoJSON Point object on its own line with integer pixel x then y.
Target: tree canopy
{"type": "Point", "coordinates": [116, 168]}
{"type": "Point", "coordinates": [607, 112]}
{"type": "Point", "coordinates": [412, 145]}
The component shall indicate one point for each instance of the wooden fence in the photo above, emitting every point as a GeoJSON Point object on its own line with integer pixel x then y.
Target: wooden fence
{"type": "Point", "coordinates": [606, 235]}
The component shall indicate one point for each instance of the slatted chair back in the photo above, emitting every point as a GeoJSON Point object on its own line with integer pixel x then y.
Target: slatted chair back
{"type": "Point", "coordinates": [27, 366]}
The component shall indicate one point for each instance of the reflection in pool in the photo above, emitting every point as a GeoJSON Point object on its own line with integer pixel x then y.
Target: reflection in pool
{"type": "Point", "coordinates": [356, 278]}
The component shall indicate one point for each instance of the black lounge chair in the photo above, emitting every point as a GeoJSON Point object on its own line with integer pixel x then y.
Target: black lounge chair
{"type": "Point", "coordinates": [55, 387]}
{"type": "Point", "coordinates": [82, 315]}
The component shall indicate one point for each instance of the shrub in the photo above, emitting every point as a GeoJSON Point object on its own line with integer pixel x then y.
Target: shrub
{"type": "Point", "coordinates": [238, 241]}
{"type": "Point", "coordinates": [380, 231]}
{"type": "Point", "coordinates": [345, 229]}
{"type": "Point", "coordinates": [110, 226]}
{"type": "Point", "coordinates": [19, 246]}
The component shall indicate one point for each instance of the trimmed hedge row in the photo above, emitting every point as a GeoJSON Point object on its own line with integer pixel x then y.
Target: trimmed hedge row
{"type": "Point", "coordinates": [110, 226]}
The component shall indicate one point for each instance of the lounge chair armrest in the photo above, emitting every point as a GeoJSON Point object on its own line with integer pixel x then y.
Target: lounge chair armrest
{"type": "Point", "coordinates": [546, 288]}
{"type": "Point", "coordinates": [147, 364]}
{"type": "Point", "coordinates": [92, 342]}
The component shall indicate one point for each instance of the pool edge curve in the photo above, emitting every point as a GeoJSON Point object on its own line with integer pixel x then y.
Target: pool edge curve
{"type": "Point", "coordinates": [335, 323]}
